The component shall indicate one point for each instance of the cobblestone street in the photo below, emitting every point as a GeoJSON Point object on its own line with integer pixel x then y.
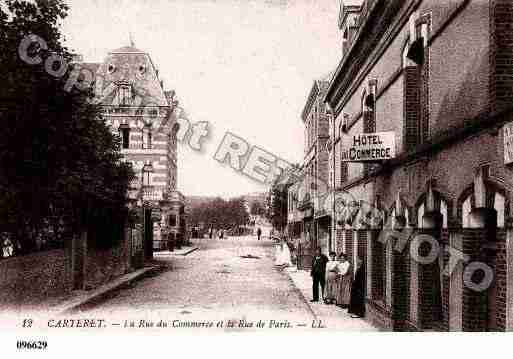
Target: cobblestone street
{"type": "Point", "coordinates": [233, 278]}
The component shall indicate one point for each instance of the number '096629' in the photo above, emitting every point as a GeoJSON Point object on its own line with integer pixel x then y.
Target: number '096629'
{"type": "Point", "coordinates": [32, 345]}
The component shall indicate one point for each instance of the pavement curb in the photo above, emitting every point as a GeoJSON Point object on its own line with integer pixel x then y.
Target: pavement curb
{"type": "Point", "coordinates": [75, 305]}
{"type": "Point", "coordinates": [296, 288]}
{"type": "Point", "coordinates": [190, 251]}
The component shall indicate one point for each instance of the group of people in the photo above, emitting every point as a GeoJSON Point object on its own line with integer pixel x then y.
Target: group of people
{"type": "Point", "coordinates": [220, 233]}
{"type": "Point", "coordinates": [334, 276]}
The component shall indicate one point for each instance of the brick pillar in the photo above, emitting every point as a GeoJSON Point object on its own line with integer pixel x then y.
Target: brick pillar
{"type": "Point", "coordinates": [354, 244]}
{"type": "Point", "coordinates": [429, 285]}
{"type": "Point", "coordinates": [400, 288]}
{"type": "Point", "coordinates": [414, 292]}
{"type": "Point", "coordinates": [411, 102]}
{"type": "Point", "coordinates": [368, 263]}
{"type": "Point", "coordinates": [509, 280]}
{"type": "Point", "coordinates": [349, 245]}
{"type": "Point", "coordinates": [474, 303]}
{"type": "Point", "coordinates": [389, 261]}
{"type": "Point", "coordinates": [456, 287]}
{"type": "Point", "coordinates": [446, 283]}
{"type": "Point", "coordinates": [501, 54]}
{"type": "Point", "coordinates": [361, 246]}
{"type": "Point", "coordinates": [377, 270]}
{"type": "Point", "coordinates": [501, 278]}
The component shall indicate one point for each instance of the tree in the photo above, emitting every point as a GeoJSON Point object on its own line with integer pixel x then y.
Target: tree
{"type": "Point", "coordinates": [59, 162]}
{"type": "Point", "coordinates": [257, 208]}
{"type": "Point", "coordinates": [276, 204]}
{"type": "Point", "coordinates": [238, 212]}
{"type": "Point", "coordinates": [220, 213]}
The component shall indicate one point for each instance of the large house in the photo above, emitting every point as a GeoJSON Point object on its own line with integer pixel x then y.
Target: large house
{"type": "Point", "coordinates": [137, 107]}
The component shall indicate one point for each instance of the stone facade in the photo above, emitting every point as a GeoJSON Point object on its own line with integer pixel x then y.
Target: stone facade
{"type": "Point", "coordinates": [138, 108]}
{"type": "Point", "coordinates": [437, 75]}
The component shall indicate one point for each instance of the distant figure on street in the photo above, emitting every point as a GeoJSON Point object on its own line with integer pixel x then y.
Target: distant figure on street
{"type": "Point", "coordinates": [220, 234]}
{"type": "Point", "coordinates": [357, 303]}
{"type": "Point", "coordinates": [259, 233]}
{"type": "Point", "coordinates": [318, 274]}
{"type": "Point", "coordinates": [332, 279]}
{"type": "Point", "coordinates": [211, 232]}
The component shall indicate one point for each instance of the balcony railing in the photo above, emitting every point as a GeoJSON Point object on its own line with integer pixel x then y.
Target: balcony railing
{"type": "Point", "coordinates": [150, 193]}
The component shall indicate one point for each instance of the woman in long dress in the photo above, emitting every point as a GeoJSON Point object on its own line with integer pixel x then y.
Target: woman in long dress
{"type": "Point", "coordinates": [283, 254]}
{"type": "Point", "coordinates": [357, 303]}
{"type": "Point", "coordinates": [345, 280]}
{"type": "Point", "coordinates": [332, 274]}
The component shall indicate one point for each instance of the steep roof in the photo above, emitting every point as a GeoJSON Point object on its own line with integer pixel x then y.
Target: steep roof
{"type": "Point", "coordinates": [127, 49]}
{"type": "Point", "coordinates": [130, 65]}
{"type": "Point", "coordinates": [318, 88]}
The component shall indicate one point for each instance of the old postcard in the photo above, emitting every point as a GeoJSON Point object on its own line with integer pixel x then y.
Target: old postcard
{"type": "Point", "coordinates": [175, 167]}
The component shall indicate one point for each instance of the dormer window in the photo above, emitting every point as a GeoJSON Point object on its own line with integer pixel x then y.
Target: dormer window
{"type": "Point", "coordinates": [124, 95]}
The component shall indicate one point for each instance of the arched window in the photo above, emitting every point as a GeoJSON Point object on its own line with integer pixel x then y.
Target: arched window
{"type": "Point", "coordinates": [415, 58]}
{"type": "Point", "coordinates": [442, 208]}
{"type": "Point", "coordinates": [496, 200]}
{"type": "Point", "coordinates": [369, 119]}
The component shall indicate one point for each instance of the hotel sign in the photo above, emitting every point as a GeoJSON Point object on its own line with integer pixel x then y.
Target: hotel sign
{"type": "Point", "coordinates": [508, 143]}
{"type": "Point", "coordinates": [377, 146]}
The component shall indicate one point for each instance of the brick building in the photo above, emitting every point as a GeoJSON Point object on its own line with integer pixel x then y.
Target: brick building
{"type": "Point", "coordinates": [308, 221]}
{"type": "Point", "coordinates": [438, 75]}
{"type": "Point", "coordinates": [138, 108]}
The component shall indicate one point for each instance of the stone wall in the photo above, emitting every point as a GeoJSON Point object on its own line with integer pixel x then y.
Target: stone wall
{"type": "Point", "coordinates": [30, 279]}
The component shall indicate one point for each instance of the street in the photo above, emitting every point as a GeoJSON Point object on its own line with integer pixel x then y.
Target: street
{"type": "Point", "coordinates": [226, 279]}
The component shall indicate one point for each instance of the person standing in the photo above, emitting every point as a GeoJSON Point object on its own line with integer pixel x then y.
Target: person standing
{"type": "Point", "coordinates": [357, 303]}
{"type": "Point", "coordinates": [332, 279]}
{"type": "Point", "coordinates": [259, 233]}
{"type": "Point", "coordinates": [210, 232]}
{"type": "Point", "coordinates": [318, 274]}
{"type": "Point", "coordinates": [345, 280]}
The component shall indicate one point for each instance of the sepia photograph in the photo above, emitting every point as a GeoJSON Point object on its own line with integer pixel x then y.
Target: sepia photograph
{"type": "Point", "coordinates": [254, 167]}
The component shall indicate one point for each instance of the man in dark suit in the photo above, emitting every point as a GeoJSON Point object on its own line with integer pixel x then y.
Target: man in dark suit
{"type": "Point", "coordinates": [318, 274]}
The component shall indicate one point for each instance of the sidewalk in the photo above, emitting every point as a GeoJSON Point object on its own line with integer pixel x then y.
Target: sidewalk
{"type": "Point", "coordinates": [80, 299]}
{"type": "Point", "coordinates": [331, 316]}
{"type": "Point", "coordinates": [177, 252]}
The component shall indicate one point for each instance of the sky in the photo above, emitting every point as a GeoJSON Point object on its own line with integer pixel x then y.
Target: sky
{"type": "Point", "coordinates": [243, 66]}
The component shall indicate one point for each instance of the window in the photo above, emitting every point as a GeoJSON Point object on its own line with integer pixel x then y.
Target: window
{"type": "Point", "coordinates": [369, 122]}
{"type": "Point", "coordinates": [146, 138]}
{"type": "Point", "coordinates": [146, 173]}
{"type": "Point", "coordinates": [344, 172]}
{"type": "Point", "coordinates": [416, 87]}
{"type": "Point", "coordinates": [124, 95]}
{"type": "Point", "coordinates": [125, 136]}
